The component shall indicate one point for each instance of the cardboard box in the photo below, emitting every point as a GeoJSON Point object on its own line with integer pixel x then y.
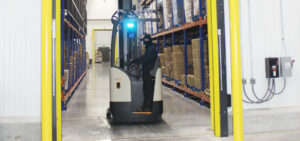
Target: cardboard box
{"type": "Point", "coordinates": [183, 79]}
{"type": "Point", "coordinates": [178, 48]}
{"type": "Point", "coordinates": [190, 79]}
{"type": "Point", "coordinates": [162, 59]}
{"type": "Point", "coordinates": [178, 64]}
{"type": "Point", "coordinates": [197, 83]}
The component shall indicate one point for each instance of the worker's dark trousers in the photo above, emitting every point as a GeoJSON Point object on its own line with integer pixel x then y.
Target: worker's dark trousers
{"type": "Point", "coordinates": [148, 90]}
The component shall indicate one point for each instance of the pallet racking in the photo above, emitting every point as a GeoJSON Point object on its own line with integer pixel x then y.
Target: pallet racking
{"type": "Point", "coordinates": [73, 44]}
{"type": "Point", "coordinates": [186, 32]}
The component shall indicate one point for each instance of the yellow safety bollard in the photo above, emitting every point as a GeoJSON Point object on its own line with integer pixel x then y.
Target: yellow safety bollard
{"type": "Point", "coordinates": [58, 70]}
{"type": "Point", "coordinates": [237, 103]}
{"type": "Point", "coordinates": [46, 69]}
{"type": "Point", "coordinates": [211, 75]}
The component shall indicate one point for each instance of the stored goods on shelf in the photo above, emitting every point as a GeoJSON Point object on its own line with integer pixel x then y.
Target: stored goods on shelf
{"type": "Point", "coordinates": [178, 48]}
{"type": "Point", "coordinates": [162, 59]}
{"type": "Point", "coordinates": [66, 78]}
{"type": "Point", "coordinates": [188, 8]}
{"type": "Point", "coordinates": [154, 16]}
{"type": "Point", "coordinates": [178, 12]}
{"type": "Point", "coordinates": [190, 80]}
{"type": "Point", "coordinates": [168, 61]}
{"type": "Point", "coordinates": [160, 16]}
{"type": "Point", "coordinates": [197, 61]}
{"type": "Point", "coordinates": [183, 79]}
{"type": "Point", "coordinates": [197, 83]}
{"type": "Point", "coordinates": [178, 64]}
{"type": "Point", "coordinates": [163, 70]}
{"type": "Point", "coordinates": [196, 7]}
{"type": "Point", "coordinates": [167, 9]}
{"type": "Point", "coordinates": [189, 55]}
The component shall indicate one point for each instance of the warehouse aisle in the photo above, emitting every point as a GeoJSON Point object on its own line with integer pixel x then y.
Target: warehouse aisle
{"type": "Point", "coordinates": [85, 118]}
{"type": "Point", "coordinates": [183, 119]}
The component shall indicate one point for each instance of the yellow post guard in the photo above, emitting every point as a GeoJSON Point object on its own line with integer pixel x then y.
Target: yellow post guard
{"type": "Point", "coordinates": [237, 103]}
{"type": "Point", "coordinates": [216, 77]}
{"type": "Point", "coordinates": [211, 75]}
{"type": "Point", "coordinates": [58, 70]}
{"type": "Point", "coordinates": [46, 69]}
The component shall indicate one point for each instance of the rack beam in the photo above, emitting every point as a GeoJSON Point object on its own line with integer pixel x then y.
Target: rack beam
{"type": "Point", "coordinates": [70, 25]}
{"type": "Point", "coordinates": [71, 90]}
{"type": "Point", "coordinates": [202, 95]}
{"type": "Point", "coordinates": [183, 27]}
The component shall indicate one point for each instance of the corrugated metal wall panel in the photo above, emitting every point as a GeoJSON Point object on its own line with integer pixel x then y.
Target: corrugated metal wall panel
{"type": "Point", "coordinates": [20, 58]}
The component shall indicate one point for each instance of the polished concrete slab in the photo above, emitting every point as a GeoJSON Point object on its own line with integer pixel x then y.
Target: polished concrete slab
{"type": "Point", "coordinates": [183, 119]}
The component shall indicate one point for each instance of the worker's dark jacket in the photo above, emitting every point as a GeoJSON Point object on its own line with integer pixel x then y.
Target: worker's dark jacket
{"type": "Point", "coordinates": [148, 61]}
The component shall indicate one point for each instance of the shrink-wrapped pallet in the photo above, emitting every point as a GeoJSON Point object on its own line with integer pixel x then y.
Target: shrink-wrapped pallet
{"type": "Point", "coordinates": [167, 12]}
{"type": "Point", "coordinates": [154, 16]}
{"type": "Point", "coordinates": [178, 12]}
{"type": "Point", "coordinates": [196, 7]}
{"type": "Point", "coordinates": [160, 16]}
{"type": "Point", "coordinates": [188, 9]}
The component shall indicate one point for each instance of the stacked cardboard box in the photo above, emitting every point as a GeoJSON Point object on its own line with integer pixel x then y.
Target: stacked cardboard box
{"type": "Point", "coordinates": [167, 12]}
{"type": "Point", "coordinates": [183, 79]}
{"type": "Point", "coordinates": [160, 16]}
{"type": "Point", "coordinates": [178, 61]}
{"type": "Point", "coordinates": [162, 62]}
{"type": "Point", "coordinates": [188, 8]}
{"type": "Point", "coordinates": [190, 79]}
{"type": "Point", "coordinates": [168, 61]}
{"type": "Point", "coordinates": [178, 64]}
{"type": "Point", "coordinates": [197, 62]}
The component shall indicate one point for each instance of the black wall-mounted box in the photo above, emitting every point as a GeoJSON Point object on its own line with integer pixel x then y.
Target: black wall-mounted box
{"type": "Point", "coordinates": [272, 67]}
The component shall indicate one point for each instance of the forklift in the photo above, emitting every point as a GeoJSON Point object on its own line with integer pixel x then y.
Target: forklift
{"type": "Point", "coordinates": [126, 84]}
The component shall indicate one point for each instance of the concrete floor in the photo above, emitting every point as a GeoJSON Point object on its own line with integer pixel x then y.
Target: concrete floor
{"type": "Point", "coordinates": [183, 119]}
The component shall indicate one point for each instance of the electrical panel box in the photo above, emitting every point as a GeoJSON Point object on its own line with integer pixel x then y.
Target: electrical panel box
{"type": "Point", "coordinates": [286, 65]}
{"type": "Point", "coordinates": [272, 67]}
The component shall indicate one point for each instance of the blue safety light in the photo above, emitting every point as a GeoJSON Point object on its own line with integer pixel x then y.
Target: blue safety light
{"type": "Point", "coordinates": [130, 25]}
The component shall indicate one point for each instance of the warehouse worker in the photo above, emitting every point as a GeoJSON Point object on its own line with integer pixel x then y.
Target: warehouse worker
{"type": "Point", "coordinates": [148, 61]}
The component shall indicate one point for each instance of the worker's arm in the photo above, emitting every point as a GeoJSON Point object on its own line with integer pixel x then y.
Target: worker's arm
{"type": "Point", "coordinates": [146, 57]}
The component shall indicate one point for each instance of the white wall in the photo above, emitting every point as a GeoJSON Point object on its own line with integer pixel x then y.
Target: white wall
{"type": "Point", "coordinates": [101, 9]}
{"type": "Point", "coordinates": [103, 39]}
{"type": "Point", "coordinates": [20, 59]}
{"type": "Point", "coordinates": [95, 24]}
{"type": "Point", "coordinates": [266, 42]}
{"type": "Point", "coordinates": [99, 15]}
